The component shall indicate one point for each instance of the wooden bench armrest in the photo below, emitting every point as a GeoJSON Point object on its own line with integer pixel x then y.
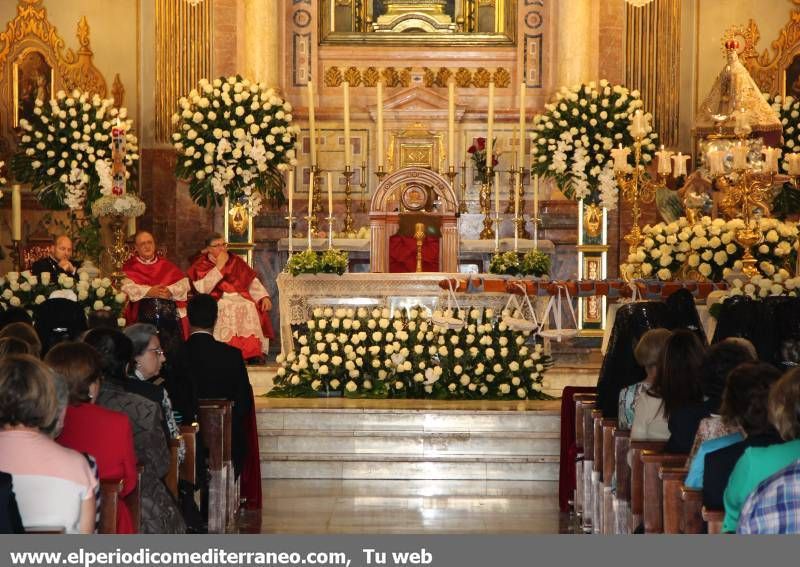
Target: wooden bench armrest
{"type": "Point", "coordinates": [668, 472]}
{"type": "Point", "coordinates": [692, 519]}
{"type": "Point", "coordinates": [188, 468]}
{"type": "Point", "coordinates": [714, 519]}
{"type": "Point", "coordinates": [110, 489]}
{"type": "Point", "coordinates": [668, 459]}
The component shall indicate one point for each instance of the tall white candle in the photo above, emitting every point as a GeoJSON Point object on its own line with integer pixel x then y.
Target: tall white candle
{"type": "Point", "coordinates": [522, 121]}
{"type": "Point", "coordinates": [740, 152]}
{"type": "Point", "coordinates": [771, 156]}
{"type": "Point", "coordinates": [131, 226]}
{"type": "Point", "coordinates": [620, 156]}
{"type": "Point", "coordinates": [380, 124]}
{"type": "Point", "coordinates": [291, 195]}
{"type": "Point", "coordinates": [312, 124]}
{"type": "Point", "coordinates": [451, 122]}
{"type": "Point", "coordinates": [664, 163]}
{"type": "Point", "coordinates": [330, 193]}
{"type": "Point", "coordinates": [490, 129]}
{"type": "Point", "coordinates": [516, 208]}
{"type": "Point", "coordinates": [348, 159]}
{"type": "Point", "coordinates": [16, 213]}
{"type": "Point", "coordinates": [536, 197]}
{"type": "Point", "coordinates": [497, 194]}
{"type": "Point", "coordinates": [310, 204]}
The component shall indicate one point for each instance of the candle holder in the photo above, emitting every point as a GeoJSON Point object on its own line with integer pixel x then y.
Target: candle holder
{"type": "Point", "coordinates": [462, 205]}
{"type": "Point", "coordinates": [486, 206]}
{"type": "Point", "coordinates": [381, 173]}
{"type": "Point", "coordinates": [316, 206]}
{"type": "Point", "coordinates": [290, 220]}
{"type": "Point", "coordinates": [451, 175]}
{"type": "Point", "coordinates": [363, 185]}
{"type": "Point", "coordinates": [348, 229]}
{"type": "Point", "coordinates": [519, 220]}
{"type": "Point", "coordinates": [497, 233]}
{"type": "Point", "coordinates": [330, 218]}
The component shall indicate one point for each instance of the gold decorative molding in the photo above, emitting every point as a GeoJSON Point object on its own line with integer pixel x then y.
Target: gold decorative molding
{"type": "Point", "coordinates": [431, 77]}
{"type": "Point", "coordinates": [769, 70]}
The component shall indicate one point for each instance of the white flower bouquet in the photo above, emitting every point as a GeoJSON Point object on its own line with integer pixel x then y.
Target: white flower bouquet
{"type": "Point", "coordinates": [786, 200]}
{"type": "Point", "coordinates": [234, 138]}
{"type": "Point", "coordinates": [759, 287]}
{"type": "Point", "coordinates": [707, 250]}
{"type": "Point", "coordinates": [572, 140]}
{"type": "Point", "coordinates": [377, 354]}
{"type": "Point", "coordinates": [58, 149]}
{"type": "Point", "coordinates": [25, 290]}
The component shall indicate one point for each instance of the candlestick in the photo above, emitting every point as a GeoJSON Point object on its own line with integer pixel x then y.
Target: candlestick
{"type": "Point", "coordinates": [516, 209]}
{"type": "Point", "coordinates": [16, 212]}
{"type": "Point", "coordinates": [348, 228]}
{"type": "Point", "coordinates": [290, 216]}
{"type": "Point", "coordinates": [380, 124]}
{"type": "Point", "coordinates": [793, 164]}
{"type": "Point", "coordinates": [462, 205]}
{"type": "Point", "coordinates": [497, 232]}
{"type": "Point", "coordinates": [490, 129]}
{"type": "Point", "coordinates": [639, 125]}
{"type": "Point", "coordinates": [620, 156]}
{"type": "Point", "coordinates": [497, 193]}
{"type": "Point", "coordinates": [363, 184]}
{"type": "Point", "coordinates": [522, 121]}
{"type": "Point", "coordinates": [740, 153]}
{"type": "Point", "coordinates": [131, 227]}
{"type": "Point", "coordinates": [291, 190]}
{"type": "Point", "coordinates": [664, 163]}
{"type": "Point", "coordinates": [451, 122]}
{"type": "Point", "coordinates": [716, 163]}
{"type": "Point", "coordinates": [347, 149]}
{"type": "Point", "coordinates": [330, 192]}
{"type": "Point", "coordinates": [771, 156]}
{"type": "Point", "coordinates": [486, 205]}
{"type": "Point", "coordinates": [312, 125]}
{"type": "Point", "coordinates": [311, 217]}
{"type": "Point", "coordinates": [680, 164]}
{"type": "Point", "coordinates": [536, 211]}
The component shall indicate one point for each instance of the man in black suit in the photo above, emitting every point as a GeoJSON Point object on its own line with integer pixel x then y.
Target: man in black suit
{"type": "Point", "coordinates": [59, 261]}
{"type": "Point", "coordinates": [207, 368]}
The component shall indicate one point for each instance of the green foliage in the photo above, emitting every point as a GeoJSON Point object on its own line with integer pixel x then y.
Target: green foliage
{"type": "Point", "coordinates": [535, 263]}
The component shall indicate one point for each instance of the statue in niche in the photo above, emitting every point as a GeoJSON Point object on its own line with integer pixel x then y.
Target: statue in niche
{"type": "Point", "coordinates": [33, 80]}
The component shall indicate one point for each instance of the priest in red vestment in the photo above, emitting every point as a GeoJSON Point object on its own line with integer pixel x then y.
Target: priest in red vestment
{"type": "Point", "coordinates": [243, 302]}
{"type": "Point", "coordinates": [148, 275]}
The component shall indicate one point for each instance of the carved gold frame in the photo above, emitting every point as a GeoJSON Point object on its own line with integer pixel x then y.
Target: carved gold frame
{"type": "Point", "coordinates": [30, 31]}
{"type": "Point", "coordinates": [505, 23]}
{"type": "Point", "coordinates": [405, 145]}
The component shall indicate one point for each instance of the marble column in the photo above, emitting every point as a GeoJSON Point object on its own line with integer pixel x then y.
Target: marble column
{"type": "Point", "coordinates": [574, 34]}
{"type": "Point", "coordinates": [262, 35]}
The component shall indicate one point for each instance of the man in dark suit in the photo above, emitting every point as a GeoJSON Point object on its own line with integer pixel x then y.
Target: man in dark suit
{"type": "Point", "coordinates": [207, 368]}
{"type": "Point", "coordinates": [59, 261]}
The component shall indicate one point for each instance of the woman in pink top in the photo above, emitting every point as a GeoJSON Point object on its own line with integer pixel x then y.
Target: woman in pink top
{"type": "Point", "coordinates": [54, 485]}
{"type": "Point", "coordinates": [89, 428]}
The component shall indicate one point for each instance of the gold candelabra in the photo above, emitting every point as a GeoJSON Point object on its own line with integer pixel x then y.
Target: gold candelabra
{"type": "Point", "coordinates": [316, 205]}
{"type": "Point", "coordinates": [488, 232]}
{"type": "Point", "coordinates": [519, 220]}
{"type": "Point", "coordinates": [348, 228]}
{"type": "Point", "coordinates": [638, 188]}
{"type": "Point", "coordinates": [462, 205]}
{"type": "Point", "coordinates": [363, 184]}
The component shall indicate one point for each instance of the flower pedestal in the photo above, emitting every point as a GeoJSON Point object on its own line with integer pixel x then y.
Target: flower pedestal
{"type": "Point", "coordinates": [118, 251]}
{"type": "Point", "coordinates": [592, 265]}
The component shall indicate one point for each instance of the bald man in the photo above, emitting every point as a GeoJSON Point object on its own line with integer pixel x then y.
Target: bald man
{"type": "Point", "coordinates": [149, 276]}
{"type": "Point", "coordinates": [59, 261]}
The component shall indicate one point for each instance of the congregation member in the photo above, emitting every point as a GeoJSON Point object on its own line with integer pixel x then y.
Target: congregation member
{"type": "Point", "coordinates": [758, 463]}
{"type": "Point", "coordinates": [58, 261]}
{"type": "Point", "coordinates": [10, 520]}
{"type": "Point", "coordinates": [92, 429]}
{"type": "Point", "coordinates": [648, 355]}
{"type": "Point", "coordinates": [159, 513]}
{"type": "Point", "coordinates": [157, 289]}
{"type": "Point", "coordinates": [54, 486]}
{"type": "Point", "coordinates": [26, 333]}
{"type": "Point", "coordinates": [208, 368]}
{"type": "Point", "coordinates": [744, 405]}
{"type": "Point", "coordinates": [14, 314]}
{"type": "Point", "coordinates": [774, 507]}
{"type": "Point", "coordinates": [244, 303]}
{"type": "Point", "coordinates": [13, 345]}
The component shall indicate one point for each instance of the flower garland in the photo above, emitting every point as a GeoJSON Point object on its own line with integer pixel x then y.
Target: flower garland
{"type": "Point", "coordinates": [234, 138]}
{"type": "Point", "coordinates": [709, 248]}
{"type": "Point", "coordinates": [572, 140]}
{"type": "Point", "coordinates": [23, 289]}
{"type": "Point", "coordinates": [377, 354]}
{"type": "Point", "coordinates": [60, 147]}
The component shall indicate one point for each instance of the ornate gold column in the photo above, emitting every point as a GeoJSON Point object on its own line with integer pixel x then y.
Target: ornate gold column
{"type": "Point", "coordinates": [573, 42]}
{"type": "Point", "coordinates": [262, 41]}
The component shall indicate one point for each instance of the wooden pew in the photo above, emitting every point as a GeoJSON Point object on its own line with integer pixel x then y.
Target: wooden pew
{"type": "Point", "coordinates": [213, 415]}
{"type": "Point", "coordinates": [714, 519]}
{"type": "Point", "coordinates": [134, 502]}
{"type": "Point", "coordinates": [637, 477]}
{"type": "Point", "coordinates": [692, 522]}
{"type": "Point", "coordinates": [171, 478]}
{"type": "Point", "coordinates": [110, 489]}
{"type": "Point", "coordinates": [597, 471]}
{"type": "Point", "coordinates": [188, 468]}
{"type": "Point", "coordinates": [622, 445]}
{"type": "Point", "coordinates": [671, 483]}
{"type": "Point", "coordinates": [653, 493]}
{"type": "Point", "coordinates": [579, 418]}
{"type": "Point", "coordinates": [588, 465]}
{"type": "Point", "coordinates": [609, 463]}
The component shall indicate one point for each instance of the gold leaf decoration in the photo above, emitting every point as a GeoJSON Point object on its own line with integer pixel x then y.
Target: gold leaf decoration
{"type": "Point", "coordinates": [390, 77]}
{"type": "Point", "coordinates": [429, 78]}
{"type": "Point", "coordinates": [333, 77]}
{"type": "Point", "coordinates": [463, 77]}
{"type": "Point", "coordinates": [502, 78]}
{"type": "Point", "coordinates": [353, 76]}
{"type": "Point", "coordinates": [481, 78]}
{"type": "Point", "coordinates": [371, 77]}
{"type": "Point", "coordinates": [405, 77]}
{"type": "Point", "coordinates": [443, 76]}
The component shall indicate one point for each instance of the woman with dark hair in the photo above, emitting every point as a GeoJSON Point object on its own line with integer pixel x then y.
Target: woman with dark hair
{"type": "Point", "coordinates": [744, 406]}
{"type": "Point", "coordinates": [13, 345]}
{"type": "Point", "coordinates": [676, 386]}
{"type": "Point", "coordinates": [89, 428]}
{"type": "Point", "coordinates": [758, 463]}
{"type": "Point", "coordinates": [159, 511]}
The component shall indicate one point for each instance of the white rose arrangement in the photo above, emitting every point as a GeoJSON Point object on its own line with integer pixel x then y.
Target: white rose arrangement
{"type": "Point", "coordinates": [23, 289]}
{"type": "Point", "coordinates": [572, 140]}
{"type": "Point", "coordinates": [372, 353]}
{"type": "Point", "coordinates": [708, 249]}
{"type": "Point", "coordinates": [234, 138]}
{"type": "Point", "coordinates": [58, 150]}
{"type": "Point", "coordinates": [759, 287]}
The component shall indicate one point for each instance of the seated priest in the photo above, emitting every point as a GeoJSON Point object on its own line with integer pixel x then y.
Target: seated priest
{"type": "Point", "coordinates": [157, 290]}
{"type": "Point", "coordinates": [244, 303]}
{"type": "Point", "coordinates": [59, 261]}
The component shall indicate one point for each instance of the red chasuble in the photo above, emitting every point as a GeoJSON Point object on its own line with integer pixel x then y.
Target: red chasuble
{"type": "Point", "coordinates": [236, 278]}
{"type": "Point", "coordinates": [160, 272]}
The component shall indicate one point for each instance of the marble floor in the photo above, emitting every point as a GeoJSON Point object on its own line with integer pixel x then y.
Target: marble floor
{"type": "Point", "coordinates": [402, 507]}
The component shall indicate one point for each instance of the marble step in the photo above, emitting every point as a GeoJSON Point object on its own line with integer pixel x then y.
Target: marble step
{"type": "Point", "coordinates": [392, 466]}
{"type": "Point", "coordinates": [430, 443]}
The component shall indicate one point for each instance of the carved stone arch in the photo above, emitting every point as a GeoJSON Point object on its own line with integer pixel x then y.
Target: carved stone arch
{"type": "Point", "coordinates": [385, 218]}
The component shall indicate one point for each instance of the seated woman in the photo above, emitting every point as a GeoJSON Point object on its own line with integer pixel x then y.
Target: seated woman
{"type": "Point", "coordinates": [89, 428]}
{"type": "Point", "coordinates": [742, 389]}
{"type": "Point", "coordinates": [676, 385]}
{"type": "Point", "coordinates": [647, 354]}
{"type": "Point", "coordinates": [13, 345]}
{"type": "Point", "coordinates": [159, 512]}
{"type": "Point", "coordinates": [24, 332]}
{"type": "Point", "coordinates": [758, 463]}
{"type": "Point", "coordinates": [54, 485]}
